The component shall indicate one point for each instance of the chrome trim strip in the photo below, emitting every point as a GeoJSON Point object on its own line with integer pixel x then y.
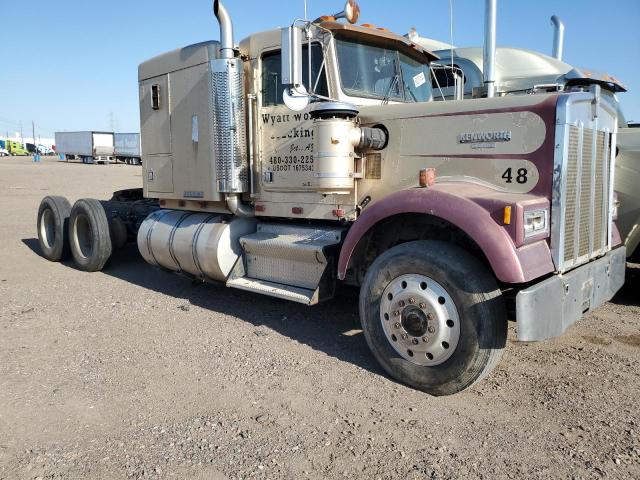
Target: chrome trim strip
{"type": "Point", "coordinates": [576, 222]}
{"type": "Point", "coordinates": [592, 183]}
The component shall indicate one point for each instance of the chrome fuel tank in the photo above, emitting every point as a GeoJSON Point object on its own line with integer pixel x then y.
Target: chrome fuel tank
{"type": "Point", "coordinates": [201, 244]}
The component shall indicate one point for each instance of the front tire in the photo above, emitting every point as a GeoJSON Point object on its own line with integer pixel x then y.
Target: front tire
{"type": "Point", "coordinates": [89, 235]}
{"type": "Point", "coordinates": [433, 316]}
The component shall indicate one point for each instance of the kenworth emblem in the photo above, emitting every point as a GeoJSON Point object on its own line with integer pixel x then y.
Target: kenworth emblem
{"type": "Point", "coordinates": [479, 137]}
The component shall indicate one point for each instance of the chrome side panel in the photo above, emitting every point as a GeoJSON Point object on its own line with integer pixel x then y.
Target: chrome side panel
{"type": "Point", "coordinates": [582, 179]}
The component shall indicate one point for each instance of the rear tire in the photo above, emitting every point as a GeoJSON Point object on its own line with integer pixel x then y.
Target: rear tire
{"type": "Point", "coordinates": [53, 220]}
{"type": "Point", "coordinates": [89, 235]}
{"type": "Point", "coordinates": [433, 316]}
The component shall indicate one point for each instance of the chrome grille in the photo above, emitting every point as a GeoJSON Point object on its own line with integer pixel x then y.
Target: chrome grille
{"type": "Point", "coordinates": [586, 195]}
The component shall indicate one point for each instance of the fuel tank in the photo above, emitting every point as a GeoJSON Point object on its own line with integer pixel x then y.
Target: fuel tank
{"type": "Point", "coordinates": [199, 244]}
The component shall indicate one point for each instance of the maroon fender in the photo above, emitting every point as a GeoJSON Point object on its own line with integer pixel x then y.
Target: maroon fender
{"type": "Point", "coordinates": [454, 203]}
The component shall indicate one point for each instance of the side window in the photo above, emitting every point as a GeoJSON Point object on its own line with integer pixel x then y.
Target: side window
{"type": "Point", "coordinates": [271, 64]}
{"type": "Point", "coordinates": [444, 77]}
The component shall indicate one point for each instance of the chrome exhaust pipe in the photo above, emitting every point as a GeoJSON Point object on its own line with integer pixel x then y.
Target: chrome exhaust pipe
{"type": "Point", "coordinates": [226, 29]}
{"type": "Point", "coordinates": [558, 37]}
{"type": "Point", "coordinates": [489, 52]}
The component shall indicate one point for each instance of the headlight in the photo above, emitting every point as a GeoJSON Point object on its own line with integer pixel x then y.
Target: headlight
{"type": "Point", "coordinates": [536, 222]}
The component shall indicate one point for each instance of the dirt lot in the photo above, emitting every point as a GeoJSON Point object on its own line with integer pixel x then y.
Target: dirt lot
{"type": "Point", "coordinates": [137, 373]}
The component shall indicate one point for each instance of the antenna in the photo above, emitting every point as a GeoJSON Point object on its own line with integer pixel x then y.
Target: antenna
{"type": "Point", "coordinates": [451, 40]}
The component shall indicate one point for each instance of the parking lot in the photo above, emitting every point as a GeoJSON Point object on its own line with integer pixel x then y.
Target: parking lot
{"type": "Point", "coordinates": [134, 372]}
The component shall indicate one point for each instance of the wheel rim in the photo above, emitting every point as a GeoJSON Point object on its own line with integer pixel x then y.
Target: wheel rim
{"type": "Point", "coordinates": [48, 228]}
{"type": "Point", "coordinates": [420, 319]}
{"type": "Point", "coordinates": [83, 235]}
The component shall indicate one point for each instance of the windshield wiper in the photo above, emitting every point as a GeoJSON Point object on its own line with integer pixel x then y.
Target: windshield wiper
{"type": "Point", "coordinates": [394, 81]}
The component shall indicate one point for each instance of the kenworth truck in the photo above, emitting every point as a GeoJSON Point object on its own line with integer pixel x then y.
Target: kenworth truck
{"type": "Point", "coordinates": [310, 157]}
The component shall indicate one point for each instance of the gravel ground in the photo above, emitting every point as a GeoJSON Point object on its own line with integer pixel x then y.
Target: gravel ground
{"type": "Point", "coordinates": [136, 373]}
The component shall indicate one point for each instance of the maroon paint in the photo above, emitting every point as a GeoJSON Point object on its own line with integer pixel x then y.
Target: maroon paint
{"type": "Point", "coordinates": [455, 203]}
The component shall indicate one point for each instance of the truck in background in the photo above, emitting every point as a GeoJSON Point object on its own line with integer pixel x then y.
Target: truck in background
{"type": "Point", "coordinates": [88, 146]}
{"type": "Point", "coordinates": [127, 148]}
{"type": "Point", "coordinates": [3, 149]}
{"type": "Point", "coordinates": [16, 148]}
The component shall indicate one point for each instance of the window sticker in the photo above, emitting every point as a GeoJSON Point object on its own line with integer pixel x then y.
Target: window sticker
{"type": "Point", "coordinates": [419, 79]}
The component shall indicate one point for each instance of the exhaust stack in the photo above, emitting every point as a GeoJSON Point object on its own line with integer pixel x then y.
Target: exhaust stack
{"type": "Point", "coordinates": [489, 53]}
{"type": "Point", "coordinates": [226, 29]}
{"type": "Point", "coordinates": [558, 37]}
{"type": "Point", "coordinates": [228, 115]}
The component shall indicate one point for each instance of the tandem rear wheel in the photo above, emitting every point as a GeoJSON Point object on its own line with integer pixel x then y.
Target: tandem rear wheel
{"type": "Point", "coordinates": [89, 235]}
{"type": "Point", "coordinates": [83, 232]}
{"type": "Point", "coordinates": [433, 316]}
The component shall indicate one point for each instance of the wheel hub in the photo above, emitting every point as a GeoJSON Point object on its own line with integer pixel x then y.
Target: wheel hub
{"type": "Point", "coordinates": [414, 321]}
{"type": "Point", "coordinates": [420, 319]}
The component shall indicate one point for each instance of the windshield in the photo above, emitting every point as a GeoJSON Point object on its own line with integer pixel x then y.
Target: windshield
{"type": "Point", "coordinates": [377, 72]}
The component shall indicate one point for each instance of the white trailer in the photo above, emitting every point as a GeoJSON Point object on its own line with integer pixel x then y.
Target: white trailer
{"type": "Point", "coordinates": [90, 147]}
{"type": "Point", "coordinates": [127, 148]}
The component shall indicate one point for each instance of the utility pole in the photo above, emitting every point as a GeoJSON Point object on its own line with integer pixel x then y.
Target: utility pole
{"type": "Point", "coordinates": [21, 136]}
{"type": "Point", "coordinates": [33, 131]}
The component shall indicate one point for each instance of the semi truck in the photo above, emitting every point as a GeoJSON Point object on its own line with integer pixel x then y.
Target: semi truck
{"type": "Point", "coordinates": [313, 157]}
{"type": "Point", "coordinates": [16, 148]}
{"type": "Point", "coordinates": [127, 148]}
{"type": "Point", "coordinates": [3, 148]}
{"type": "Point", "coordinates": [88, 146]}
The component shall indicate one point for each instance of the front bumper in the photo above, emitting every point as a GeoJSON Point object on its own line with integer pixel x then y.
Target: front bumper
{"type": "Point", "coordinates": [546, 309]}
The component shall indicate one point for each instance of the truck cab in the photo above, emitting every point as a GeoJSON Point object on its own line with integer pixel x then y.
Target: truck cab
{"type": "Point", "coordinates": [16, 148]}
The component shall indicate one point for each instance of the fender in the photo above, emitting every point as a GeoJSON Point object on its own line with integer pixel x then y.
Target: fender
{"type": "Point", "coordinates": [454, 203]}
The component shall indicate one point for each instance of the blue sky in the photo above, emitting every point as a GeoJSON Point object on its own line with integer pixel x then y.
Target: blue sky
{"type": "Point", "coordinates": [73, 64]}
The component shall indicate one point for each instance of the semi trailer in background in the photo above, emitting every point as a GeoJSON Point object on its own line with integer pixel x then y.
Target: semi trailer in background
{"type": "Point", "coordinates": [88, 146]}
{"type": "Point", "coordinates": [127, 148]}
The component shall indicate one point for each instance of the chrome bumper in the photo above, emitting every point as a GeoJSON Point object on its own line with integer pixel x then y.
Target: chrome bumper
{"type": "Point", "coordinates": [546, 309]}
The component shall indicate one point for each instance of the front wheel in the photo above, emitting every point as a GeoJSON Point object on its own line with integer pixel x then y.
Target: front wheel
{"type": "Point", "coordinates": [433, 316]}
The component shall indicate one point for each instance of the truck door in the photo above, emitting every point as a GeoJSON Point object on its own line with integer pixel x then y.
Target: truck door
{"type": "Point", "coordinates": [286, 137]}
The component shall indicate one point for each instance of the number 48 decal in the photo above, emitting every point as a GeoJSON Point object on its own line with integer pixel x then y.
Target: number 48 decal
{"type": "Point", "coordinates": [521, 175]}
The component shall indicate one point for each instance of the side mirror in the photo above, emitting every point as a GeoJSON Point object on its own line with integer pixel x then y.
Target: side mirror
{"type": "Point", "coordinates": [291, 41]}
{"type": "Point", "coordinates": [295, 96]}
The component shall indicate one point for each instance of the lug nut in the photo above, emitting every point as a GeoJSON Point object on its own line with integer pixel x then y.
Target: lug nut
{"type": "Point", "coordinates": [429, 316]}
{"type": "Point", "coordinates": [412, 300]}
{"type": "Point", "coordinates": [396, 313]}
{"type": "Point", "coordinates": [414, 341]}
{"type": "Point", "coordinates": [431, 329]}
{"type": "Point", "coordinates": [405, 336]}
{"type": "Point", "coordinates": [396, 325]}
{"type": "Point", "coordinates": [423, 305]}
{"type": "Point", "coordinates": [401, 303]}
{"type": "Point", "coordinates": [425, 339]}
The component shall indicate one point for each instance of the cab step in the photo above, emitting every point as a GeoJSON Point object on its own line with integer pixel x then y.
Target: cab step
{"type": "Point", "coordinates": [292, 262]}
{"type": "Point", "coordinates": [278, 290]}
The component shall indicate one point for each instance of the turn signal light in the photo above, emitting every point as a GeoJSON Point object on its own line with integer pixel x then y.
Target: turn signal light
{"type": "Point", "coordinates": [506, 219]}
